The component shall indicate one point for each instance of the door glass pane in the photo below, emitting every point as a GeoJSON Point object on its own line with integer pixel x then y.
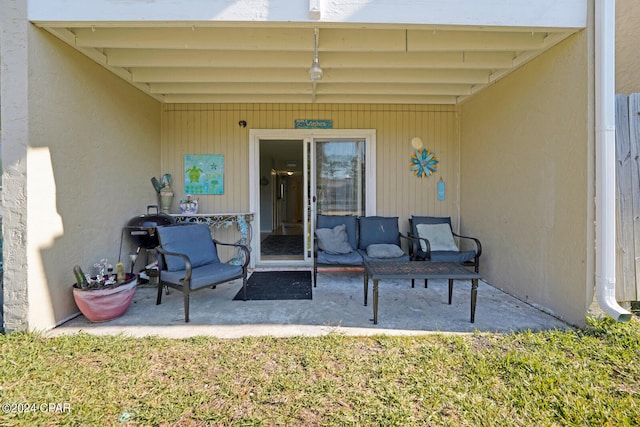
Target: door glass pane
{"type": "Point", "coordinates": [340, 171]}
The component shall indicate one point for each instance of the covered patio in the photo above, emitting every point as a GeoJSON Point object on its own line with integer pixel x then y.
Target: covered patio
{"type": "Point", "coordinates": [506, 94]}
{"type": "Point", "coordinates": [336, 307]}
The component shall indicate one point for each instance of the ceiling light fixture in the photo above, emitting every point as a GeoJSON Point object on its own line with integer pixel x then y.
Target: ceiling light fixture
{"type": "Point", "coordinates": [315, 72]}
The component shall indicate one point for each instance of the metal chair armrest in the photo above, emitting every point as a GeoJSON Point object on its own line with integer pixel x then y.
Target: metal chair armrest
{"type": "Point", "coordinates": [185, 259]}
{"type": "Point", "coordinates": [415, 245]}
{"type": "Point", "coordinates": [477, 242]}
{"type": "Point", "coordinates": [244, 248]}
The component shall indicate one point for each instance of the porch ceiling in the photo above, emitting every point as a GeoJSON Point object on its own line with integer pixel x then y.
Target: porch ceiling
{"type": "Point", "coordinates": [269, 63]}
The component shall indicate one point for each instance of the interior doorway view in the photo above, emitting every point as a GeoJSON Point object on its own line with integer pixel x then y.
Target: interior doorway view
{"type": "Point", "coordinates": [281, 200]}
{"type": "Point", "coordinates": [297, 174]}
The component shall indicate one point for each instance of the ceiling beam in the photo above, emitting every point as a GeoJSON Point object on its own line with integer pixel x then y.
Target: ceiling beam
{"type": "Point", "coordinates": [258, 59]}
{"type": "Point", "coordinates": [241, 98]}
{"type": "Point", "coordinates": [362, 40]}
{"type": "Point", "coordinates": [301, 39]}
{"type": "Point", "coordinates": [231, 88]}
{"type": "Point", "coordinates": [454, 76]}
{"type": "Point", "coordinates": [274, 75]}
{"type": "Point", "coordinates": [393, 88]}
{"type": "Point", "coordinates": [381, 99]}
{"type": "Point", "coordinates": [207, 58]}
{"type": "Point", "coordinates": [305, 88]}
{"type": "Point", "coordinates": [390, 60]}
{"type": "Point", "coordinates": [208, 75]}
{"type": "Point", "coordinates": [303, 99]}
{"type": "Point", "coordinates": [192, 37]}
{"type": "Point", "coordinates": [425, 41]}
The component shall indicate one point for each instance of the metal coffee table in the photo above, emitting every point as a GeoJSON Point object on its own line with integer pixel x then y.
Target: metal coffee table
{"type": "Point", "coordinates": [377, 271]}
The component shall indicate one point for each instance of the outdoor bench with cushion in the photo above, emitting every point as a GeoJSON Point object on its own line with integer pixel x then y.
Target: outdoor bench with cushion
{"type": "Point", "coordinates": [347, 240]}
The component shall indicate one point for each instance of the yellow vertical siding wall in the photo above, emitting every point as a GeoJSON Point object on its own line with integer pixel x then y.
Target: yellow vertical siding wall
{"type": "Point", "coordinates": [528, 181]}
{"type": "Point", "coordinates": [214, 129]}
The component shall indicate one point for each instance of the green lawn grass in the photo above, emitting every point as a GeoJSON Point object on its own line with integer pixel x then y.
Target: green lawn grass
{"type": "Point", "coordinates": [583, 377]}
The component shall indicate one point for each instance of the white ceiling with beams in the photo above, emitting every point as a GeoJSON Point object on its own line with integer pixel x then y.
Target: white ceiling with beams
{"type": "Point", "coordinates": [268, 62]}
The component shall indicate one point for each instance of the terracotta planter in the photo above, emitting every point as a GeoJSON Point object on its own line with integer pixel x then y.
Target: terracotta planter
{"type": "Point", "coordinates": [99, 305]}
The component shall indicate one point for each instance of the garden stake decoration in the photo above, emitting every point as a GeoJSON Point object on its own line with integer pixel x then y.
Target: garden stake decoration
{"type": "Point", "coordinates": [423, 163]}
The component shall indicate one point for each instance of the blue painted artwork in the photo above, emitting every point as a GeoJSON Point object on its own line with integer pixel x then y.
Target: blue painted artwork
{"type": "Point", "coordinates": [204, 174]}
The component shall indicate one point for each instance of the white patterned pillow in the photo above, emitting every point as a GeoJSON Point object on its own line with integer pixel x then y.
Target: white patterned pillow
{"type": "Point", "coordinates": [438, 235]}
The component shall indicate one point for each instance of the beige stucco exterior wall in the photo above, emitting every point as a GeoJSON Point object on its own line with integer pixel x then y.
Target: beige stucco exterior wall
{"type": "Point", "coordinates": [213, 129]}
{"type": "Point", "coordinates": [527, 180]}
{"type": "Point", "coordinates": [92, 141]}
{"type": "Point", "coordinates": [627, 46]}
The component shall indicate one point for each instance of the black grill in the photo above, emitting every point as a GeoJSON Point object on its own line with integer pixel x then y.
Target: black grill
{"type": "Point", "coordinates": [142, 229]}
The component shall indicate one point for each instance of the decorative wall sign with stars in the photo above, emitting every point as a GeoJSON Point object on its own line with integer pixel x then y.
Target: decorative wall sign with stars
{"type": "Point", "coordinates": [204, 174]}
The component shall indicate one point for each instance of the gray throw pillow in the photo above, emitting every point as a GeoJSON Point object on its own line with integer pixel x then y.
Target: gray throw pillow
{"type": "Point", "coordinates": [384, 250]}
{"type": "Point", "coordinates": [334, 240]}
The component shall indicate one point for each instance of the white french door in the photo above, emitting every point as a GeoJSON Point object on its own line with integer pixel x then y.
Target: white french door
{"type": "Point", "coordinates": [339, 178]}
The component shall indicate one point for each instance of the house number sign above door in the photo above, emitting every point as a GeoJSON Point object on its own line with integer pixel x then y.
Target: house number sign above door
{"type": "Point", "coordinates": [313, 124]}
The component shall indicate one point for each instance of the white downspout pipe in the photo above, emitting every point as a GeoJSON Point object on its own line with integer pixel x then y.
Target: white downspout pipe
{"type": "Point", "coordinates": [606, 161]}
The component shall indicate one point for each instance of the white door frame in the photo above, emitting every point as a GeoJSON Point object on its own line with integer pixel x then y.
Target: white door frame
{"type": "Point", "coordinates": [306, 135]}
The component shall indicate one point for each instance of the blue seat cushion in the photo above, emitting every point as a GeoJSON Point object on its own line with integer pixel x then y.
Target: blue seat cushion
{"type": "Point", "coordinates": [352, 258]}
{"type": "Point", "coordinates": [378, 229]}
{"type": "Point", "coordinates": [450, 256]}
{"type": "Point", "coordinates": [205, 275]}
{"type": "Point", "coordinates": [384, 250]}
{"type": "Point", "coordinates": [367, 258]}
{"type": "Point", "coordinates": [192, 240]}
{"type": "Point", "coordinates": [350, 222]}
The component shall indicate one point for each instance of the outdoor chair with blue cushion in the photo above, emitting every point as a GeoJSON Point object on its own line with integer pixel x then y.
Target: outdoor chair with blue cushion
{"type": "Point", "coordinates": [336, 242]}
{"type": "Point", "coordinates": [380, 239]}
{"type": "Point", "coordinates": [188, 260]}
{"type": "Point", "coordinates": [433, 240]}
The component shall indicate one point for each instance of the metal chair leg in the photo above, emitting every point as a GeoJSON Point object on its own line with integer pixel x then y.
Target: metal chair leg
{"type": "Point", "coordinates": [186, 307]}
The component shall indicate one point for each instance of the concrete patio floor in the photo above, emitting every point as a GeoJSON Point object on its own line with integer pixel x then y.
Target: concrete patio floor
{"type": "Point", "coordinates": [337, 307]}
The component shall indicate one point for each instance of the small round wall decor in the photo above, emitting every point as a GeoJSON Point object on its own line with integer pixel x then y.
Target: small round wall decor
{"type": "Point", "coordinates": [423, 163]}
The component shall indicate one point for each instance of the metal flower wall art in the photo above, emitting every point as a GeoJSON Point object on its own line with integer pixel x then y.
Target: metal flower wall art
{"type": "Point", "coordinates": [423, 163]}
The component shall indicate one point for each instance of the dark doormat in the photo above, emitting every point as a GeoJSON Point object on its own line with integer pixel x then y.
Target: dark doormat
{"type": "Point", "coordinates": [285, 244]}
{"type": "Point", "coordinates": [277, 285]}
